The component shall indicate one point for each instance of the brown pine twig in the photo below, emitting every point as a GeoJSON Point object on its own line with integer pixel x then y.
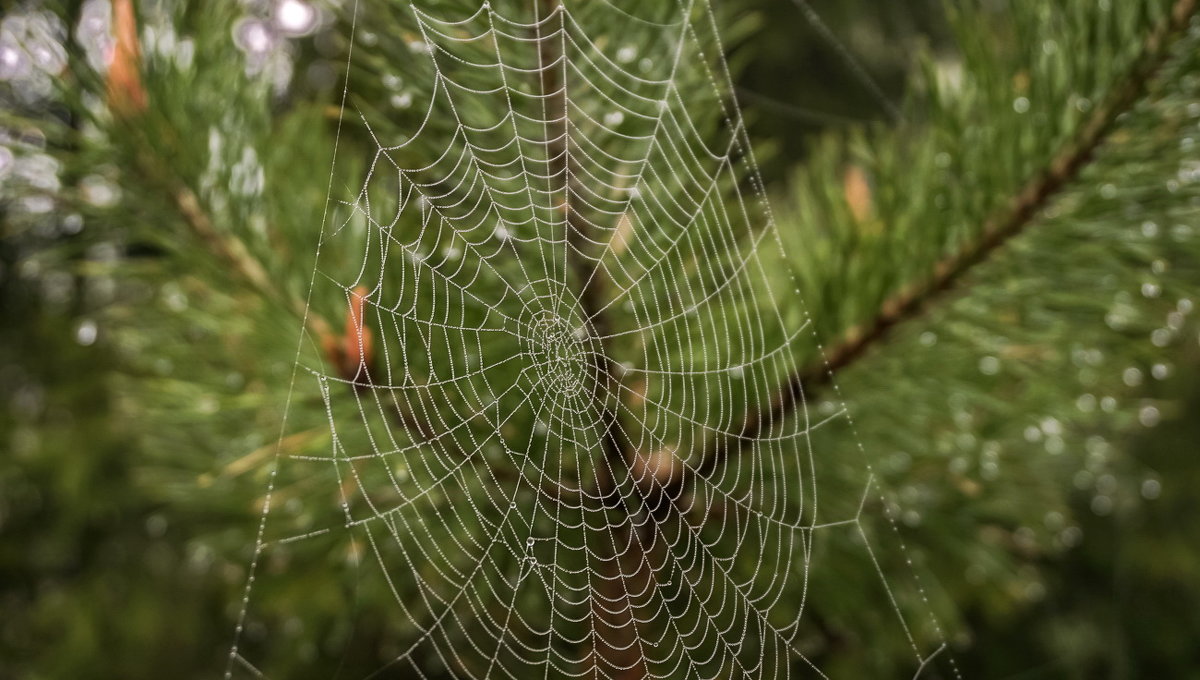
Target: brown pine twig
{"type": "Point", "coordinates": [613, 438]}
{"type": "Point", "coordinates": [126, 96]}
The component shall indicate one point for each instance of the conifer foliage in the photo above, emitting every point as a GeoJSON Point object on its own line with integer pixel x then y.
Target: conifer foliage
{"type": "Point", "coordinates": [469, 339]}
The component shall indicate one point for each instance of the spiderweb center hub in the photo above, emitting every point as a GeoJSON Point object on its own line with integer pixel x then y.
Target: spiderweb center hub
{"type": "Point", "coordinates": [559, 353]}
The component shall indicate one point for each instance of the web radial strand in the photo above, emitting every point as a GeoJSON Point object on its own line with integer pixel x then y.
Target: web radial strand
{"type": "Point", "coordinates": [572, 286]}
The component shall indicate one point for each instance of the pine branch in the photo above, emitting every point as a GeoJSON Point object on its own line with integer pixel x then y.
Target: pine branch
{"type": "Point", "coordinates": [127, 100]}
{"type": "Point", "coordinates": [227, 247]}
{"type": "Point", "coordinates": [231, 250]}
{"type": "Point", "coordinates": [1011, 221]}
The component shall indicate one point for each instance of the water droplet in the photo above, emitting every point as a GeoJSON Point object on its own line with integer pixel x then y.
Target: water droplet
{"type": "Point", "coordinates": [1151, 489]}
{"type": "Point", "coordinates": [1132, 376]}
{"type": "Point", "coordinates": [989, 365]}
{"type": "Point", "coordinates": [98, 191]}
{"type": "Point", "coordinates": [1051, 426]}
{"type": "Point", "coordinates": [1102, 505]}
{"type": "Point", "coordinates": [1086, 403]}
{"type": "Point", "coordinates": [1021, 104]}
{"type": "Point", "coordinates": [1055, 445]}
{"type": "Point", "coordinates": [402, 100]}
{"type": "Point", "coordinates": [1149, 416]}
{"type": "Point", "coordinates": [10, 59]}
{"type": "Point", "coordinates": [156, 526]}
{"type": "Point", "coordinates": [253, 36]}
{"type": "Point", "coordinates": [85, 333]}
{"type": "Point", "coordinates": [295, 17]}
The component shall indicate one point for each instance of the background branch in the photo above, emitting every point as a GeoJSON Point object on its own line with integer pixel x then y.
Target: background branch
{"type": "Point", "coordinates": [1011, 221]}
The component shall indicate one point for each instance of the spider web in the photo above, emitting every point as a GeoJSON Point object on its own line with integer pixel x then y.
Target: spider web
{"type": "Point", "coordinates": [571, 286]}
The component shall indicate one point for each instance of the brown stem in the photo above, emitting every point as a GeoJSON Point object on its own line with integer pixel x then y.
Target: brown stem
{"type": "Point", "coordinates": [126, 95]}
{"type": "Point", "coordinates": [997, 230]}
{"type": "Point", "coordinates": [616, 645]}
{"type": "Point", "coordinates": [613, 438]}
{"type": "Point", "coordinates": [615, 648]}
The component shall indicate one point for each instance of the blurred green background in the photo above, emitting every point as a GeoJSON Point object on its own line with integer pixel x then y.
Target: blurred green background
{"type": "Point", "coordinates": [120, 557]}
